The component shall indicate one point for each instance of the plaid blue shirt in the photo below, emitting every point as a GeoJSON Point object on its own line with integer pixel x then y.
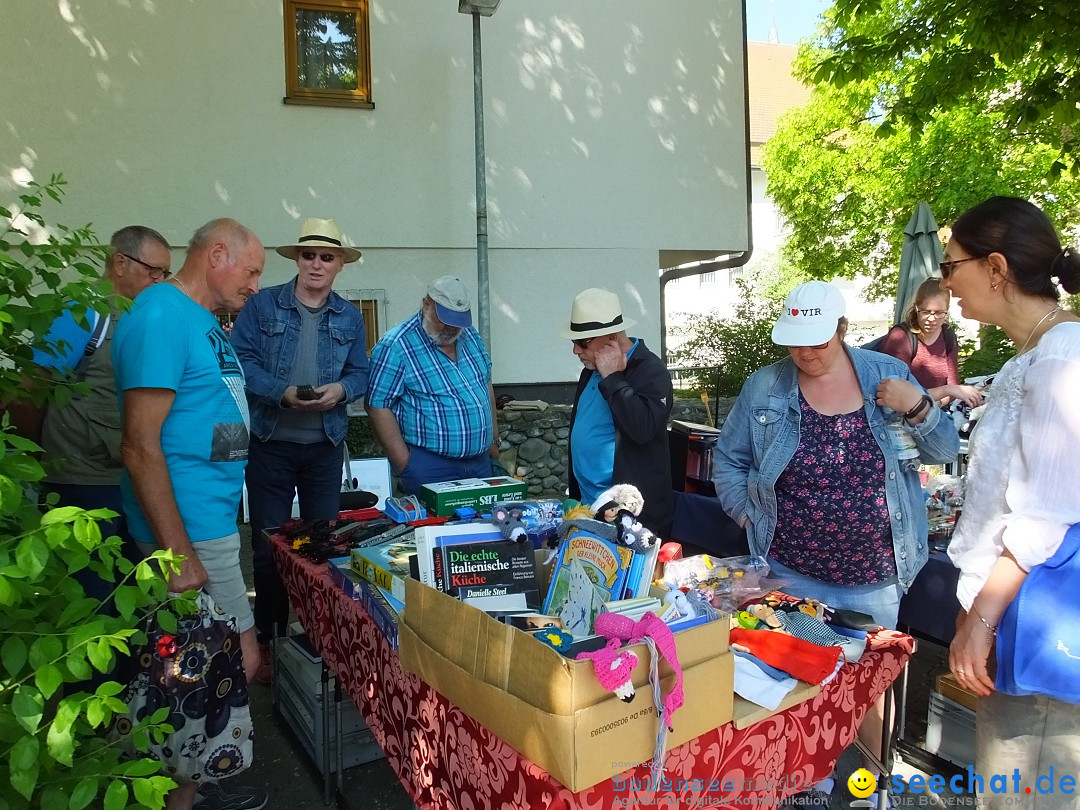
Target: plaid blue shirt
{"type": "Point", "coordinates": [440, 406]}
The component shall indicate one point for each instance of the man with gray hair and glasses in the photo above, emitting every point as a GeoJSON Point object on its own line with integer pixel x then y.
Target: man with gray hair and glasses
{"type": "Point", "coordinates": [81, 438]}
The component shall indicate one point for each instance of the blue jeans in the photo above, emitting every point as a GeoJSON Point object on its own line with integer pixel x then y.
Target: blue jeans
{"type": "Point", "coordinates": [425, 467]}
{"type": "Point", "coordinates": [276, 471]}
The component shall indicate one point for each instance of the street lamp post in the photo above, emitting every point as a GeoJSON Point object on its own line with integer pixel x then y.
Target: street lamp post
{"type": "Point", "coordinates": [478, 9]}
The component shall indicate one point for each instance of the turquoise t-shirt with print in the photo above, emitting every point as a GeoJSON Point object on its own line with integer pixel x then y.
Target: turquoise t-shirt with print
{"type": "Point", "coordinates": [168, 341]}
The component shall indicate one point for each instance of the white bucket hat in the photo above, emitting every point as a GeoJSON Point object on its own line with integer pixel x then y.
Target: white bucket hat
{"type": "Point", "coordinates": [317, 233]}
{"type": "Point", "coordinates": [810, 315]}
{"type": "Point", "coordinates": [595, 312]}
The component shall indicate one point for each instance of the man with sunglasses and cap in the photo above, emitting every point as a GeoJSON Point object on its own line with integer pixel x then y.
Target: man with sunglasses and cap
{"type": "Point", "coordinates": [618, 428]}
{"type": "Point", "coordinates": [303, 350]}
{"type": "Point", "coordinates": [430, 398]}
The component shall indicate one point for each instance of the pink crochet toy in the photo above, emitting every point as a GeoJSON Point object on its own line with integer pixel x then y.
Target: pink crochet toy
{"type": "Point", "coordinates": [613, 668]}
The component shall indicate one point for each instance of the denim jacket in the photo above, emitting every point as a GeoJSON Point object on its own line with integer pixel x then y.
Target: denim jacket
{"type": "Point", "coordinates": [266, 335]}
{"type": "Point", "coordinates": [761, 435]}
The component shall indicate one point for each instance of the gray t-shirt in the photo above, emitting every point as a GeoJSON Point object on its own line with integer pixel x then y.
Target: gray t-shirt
{"type": "Point", "coordinates": [298, 426]}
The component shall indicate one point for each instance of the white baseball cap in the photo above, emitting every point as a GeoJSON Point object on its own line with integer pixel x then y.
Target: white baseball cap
{"type": "Point", "coordinates": [810, 315]}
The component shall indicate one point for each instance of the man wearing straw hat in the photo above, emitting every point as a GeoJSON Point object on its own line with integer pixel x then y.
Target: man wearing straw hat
{"type": "Point", "coordinates": [618, 428]}
{"type": "Point", "coordinates": [303, 350]}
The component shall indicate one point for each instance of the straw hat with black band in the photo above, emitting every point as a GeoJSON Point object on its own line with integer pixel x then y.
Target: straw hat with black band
{"type": "Point", "coordinates": [595, 313]}
{"type": "Point", "coordinates": [317, 233]}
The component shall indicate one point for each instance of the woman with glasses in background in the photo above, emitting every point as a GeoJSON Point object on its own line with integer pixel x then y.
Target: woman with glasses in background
{"type": "Point", "coordinates": [927, 343]}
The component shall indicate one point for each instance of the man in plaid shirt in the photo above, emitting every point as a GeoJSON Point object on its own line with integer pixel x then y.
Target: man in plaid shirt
{"type": "Point", "coordinates": [429, 395]}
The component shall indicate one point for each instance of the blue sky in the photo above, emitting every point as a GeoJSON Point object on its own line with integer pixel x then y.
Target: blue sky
{"type": "Point", "coordinates": [795, 19]}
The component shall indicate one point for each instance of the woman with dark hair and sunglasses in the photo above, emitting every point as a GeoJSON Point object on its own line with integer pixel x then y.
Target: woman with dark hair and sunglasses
{"type": "Point", "coordinates": [927, 343]}
{"type": "Point", "coordinates": [1004, 264]}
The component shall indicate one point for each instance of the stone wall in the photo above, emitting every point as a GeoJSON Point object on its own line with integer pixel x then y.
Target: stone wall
{"type": "Point", "coordinates": [533, 438]}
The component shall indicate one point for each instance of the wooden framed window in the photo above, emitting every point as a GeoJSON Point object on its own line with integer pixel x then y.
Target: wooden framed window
{"type": "Point", "coordinates": [372, 305]}
{"type": "Point", "coordinates": [327, 53]}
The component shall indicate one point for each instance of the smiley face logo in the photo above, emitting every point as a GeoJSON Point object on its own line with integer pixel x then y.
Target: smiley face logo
{"type": "Point", "coordinates": [862, 783]}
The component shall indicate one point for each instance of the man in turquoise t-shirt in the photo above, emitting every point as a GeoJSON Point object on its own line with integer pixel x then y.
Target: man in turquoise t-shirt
{"type": "Point", "coordinates": [186, 422]}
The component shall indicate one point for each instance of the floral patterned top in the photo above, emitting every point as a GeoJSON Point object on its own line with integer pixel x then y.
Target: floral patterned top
{"type": "Point", "coordinates": [832, 521]}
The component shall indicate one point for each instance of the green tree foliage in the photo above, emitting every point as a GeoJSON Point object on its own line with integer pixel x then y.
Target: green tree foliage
{"type": "Point", "coordinates": [53, 749]}
{"type": "Point", "coordinates": [846, 170]}
{"type": "Point", "coordinates": [730, 349]}
{"type": "Point", "coordinates": [1015, 59]}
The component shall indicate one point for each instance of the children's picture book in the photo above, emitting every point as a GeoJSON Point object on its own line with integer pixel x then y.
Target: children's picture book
{"type": "Point", "coordinates": [489, 568]}
{"type": "Point", "coordinates": [642, 571]}
{"type": "Point", "coordinates": [588, 572]}
{"type": "Point", "coordinates": [428, 538]}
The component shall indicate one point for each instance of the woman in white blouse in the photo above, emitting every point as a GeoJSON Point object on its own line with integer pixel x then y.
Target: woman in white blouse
{"type": "Point", "coordinates": [1004, 263]}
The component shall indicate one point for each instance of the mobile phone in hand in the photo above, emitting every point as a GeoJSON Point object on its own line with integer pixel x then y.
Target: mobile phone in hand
{"type": "Point", "coordinates": [306, 392]}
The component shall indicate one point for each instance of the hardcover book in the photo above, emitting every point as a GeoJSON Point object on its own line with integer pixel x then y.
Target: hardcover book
{"type": "Point", "coordinates": [386, 565]}
{"type": "Point", "coordinates": [588, 572]}
{"type": "Point", "coordinates": [492, 568]}
{"type": "Point", "coordinates": [429, 538]}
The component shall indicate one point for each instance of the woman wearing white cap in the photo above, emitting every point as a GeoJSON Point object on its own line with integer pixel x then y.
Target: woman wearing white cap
{"type": "Point", "coordinates": [808, 463]}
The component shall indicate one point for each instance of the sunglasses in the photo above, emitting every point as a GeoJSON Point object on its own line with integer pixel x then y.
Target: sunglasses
{"type": "Point", "coordinates": [153, 270]}
{"type": "Point", "coordinates": [949, 267]}
{"type": "Point", "coordinates": [309, 256]}
{"type": "Point", "coordinates": [583, 343]}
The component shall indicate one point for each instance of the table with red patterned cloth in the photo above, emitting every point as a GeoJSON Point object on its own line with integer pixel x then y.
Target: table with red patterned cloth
{"type": "Point", "coordinates": [445, 759]}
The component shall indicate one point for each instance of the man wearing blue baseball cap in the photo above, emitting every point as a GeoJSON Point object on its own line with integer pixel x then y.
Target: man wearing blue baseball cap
{"type": "Point", "coordinates": [429, 396]}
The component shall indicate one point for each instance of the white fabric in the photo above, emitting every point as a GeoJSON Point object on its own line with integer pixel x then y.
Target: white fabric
{"type": "Point", "coordinates": [758, 687]}
{"type": "Point", "coordinates": [1021, 491]}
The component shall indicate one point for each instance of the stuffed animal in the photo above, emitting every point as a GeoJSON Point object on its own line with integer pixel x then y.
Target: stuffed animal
{"type": "Point", "coordinates": [620, 505]}
{"type": "Point", "coordinates": [509, 523]}
{"type": "Point", "coordinates": [613, 666]}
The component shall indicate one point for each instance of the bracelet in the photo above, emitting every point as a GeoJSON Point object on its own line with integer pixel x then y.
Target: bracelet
{"type": "Point", "coordinates": [990, 628]}
{"type": "Point", "coordinates": [924, 400]}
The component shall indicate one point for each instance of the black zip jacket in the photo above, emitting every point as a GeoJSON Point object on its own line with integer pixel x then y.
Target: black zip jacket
{"type": "Point", "coordinates": [640, 399]}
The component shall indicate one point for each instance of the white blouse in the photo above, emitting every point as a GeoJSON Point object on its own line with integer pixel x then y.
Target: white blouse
{"type": "Point", "coordinates": [1023, 481]}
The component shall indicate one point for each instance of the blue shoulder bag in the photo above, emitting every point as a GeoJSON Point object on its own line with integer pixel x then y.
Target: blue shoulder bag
{"type": "Point", "coordinates": [1038, 637]}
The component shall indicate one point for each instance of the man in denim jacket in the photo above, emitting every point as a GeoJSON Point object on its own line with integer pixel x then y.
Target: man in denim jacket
{"type": "Point", "coordinates": [303, 350]}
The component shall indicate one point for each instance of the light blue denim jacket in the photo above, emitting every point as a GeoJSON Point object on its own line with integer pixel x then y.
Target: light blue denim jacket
{"type": "Point", "coordinates": [761, 435]}
{"type": "Point", "coordinates": [266, 335]}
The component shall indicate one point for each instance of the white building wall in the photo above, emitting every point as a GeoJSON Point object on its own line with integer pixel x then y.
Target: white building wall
{"type": "Point", "coordinates": [615, 129]}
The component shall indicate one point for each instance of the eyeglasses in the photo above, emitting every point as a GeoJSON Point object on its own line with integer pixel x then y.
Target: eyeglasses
{"type": "Point", "coordinates": [154, 271]}
{"type": "Point", "coordinates": [309, 256]}
{"type": "Point", "coordinates": [933, 313]}
{"type": "Point", "coordinates": [820, 346]}
{"type": "Point", "coordinates": [948, 267]}
{"type": "Point", "coordinates": [583, 343]}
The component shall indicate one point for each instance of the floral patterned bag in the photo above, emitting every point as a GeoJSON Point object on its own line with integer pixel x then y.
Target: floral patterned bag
{"type": "Point", "coordinates": [198, 673]}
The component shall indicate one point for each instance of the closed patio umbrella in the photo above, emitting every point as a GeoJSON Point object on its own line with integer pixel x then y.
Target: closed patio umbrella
{"type": "Point", "coordinates": [919, 256]}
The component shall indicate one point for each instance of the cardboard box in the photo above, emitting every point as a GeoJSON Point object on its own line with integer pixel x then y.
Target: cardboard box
{"type": "Point", "coordinates": [550, 708]}
{"type": "Point", "coordinates": [444, 497]}
{"type": "Point", "coordinates": [948, 686]}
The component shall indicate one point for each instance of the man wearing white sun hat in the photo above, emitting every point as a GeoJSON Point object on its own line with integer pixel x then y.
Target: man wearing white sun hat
{"type": "Point", "coordinates": [618, 428]}
{"type": "Point", "coordinates": [303, 349]}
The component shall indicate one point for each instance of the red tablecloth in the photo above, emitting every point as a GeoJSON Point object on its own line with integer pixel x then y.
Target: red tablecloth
{"type": "Point", "coordinates": [445, 759]}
